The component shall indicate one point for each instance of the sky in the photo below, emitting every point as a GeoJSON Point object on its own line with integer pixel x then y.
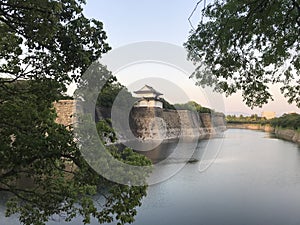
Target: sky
{"type": "Point", "coordinates": [132, 21]}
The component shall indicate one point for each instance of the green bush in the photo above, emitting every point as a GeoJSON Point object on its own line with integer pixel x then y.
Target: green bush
{"type": "Point", "coordinates": [193, 106]}
{"type": "Point", "coordinates": [287, 121]}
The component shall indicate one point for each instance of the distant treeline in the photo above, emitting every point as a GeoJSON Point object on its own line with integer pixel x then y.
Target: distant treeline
{"type": "Point", "coordinates": [253, 119]}
{"type": "Point", "coordinates": [291, 121]}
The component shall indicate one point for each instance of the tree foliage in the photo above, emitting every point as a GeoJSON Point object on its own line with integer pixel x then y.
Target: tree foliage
{"type": "Point", "coordinates": [167, 105]}
{"type": "Point", "coordinates": [291, 121]}
{"type": "Point", "coordinates": [253, 119]}
{"type": "Point", "coordinates": [48, 38]}
{"type": "Point", "coordinates": [110, 91]}
{"type": "Point", "coordinates": [43, 46]}
{"type": "Point", "coordinates": [248, 45]}
{"type": "Point", "coordinates": [193, 106]}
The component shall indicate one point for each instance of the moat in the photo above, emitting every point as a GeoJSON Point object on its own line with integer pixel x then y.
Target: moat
{"type": "Point", "coordinates": [254, 180]}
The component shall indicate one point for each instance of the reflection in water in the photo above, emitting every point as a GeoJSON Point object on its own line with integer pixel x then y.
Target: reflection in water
{"type": "Point", "coordinates": [160, 153]}
{"type": "Point", "coordinates": [255, 180]}
{"type": "Point", "coordinates": [165, 150]}
{"type": "Point", "coordinates": [199, 149]}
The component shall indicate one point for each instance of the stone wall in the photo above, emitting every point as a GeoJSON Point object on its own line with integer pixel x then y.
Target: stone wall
{"type": "Point", "coordinates": [288, 134]}
{"type": "Point", "coordinates": [212, 120]}
{"type": "Point", "coordinates": [154, 123]}
{"type": "Point", "coordinates": [65, 112]}
{"type": "Point", "coordinates": [147, 123]}
{"type": "Point", "coordinates": [190, 123]}
{"type": "Point", "coordinates": [206, 119]}
{"type": "Point", "coordinates": [218, 119]}
{"type": "Point", "coordinates": [283, 133]}
{"type": "Point", "coordinates": [172, 123]}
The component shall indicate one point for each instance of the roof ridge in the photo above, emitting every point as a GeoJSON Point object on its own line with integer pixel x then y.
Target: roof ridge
{"type": "Point", "coordinates": [150, 89]}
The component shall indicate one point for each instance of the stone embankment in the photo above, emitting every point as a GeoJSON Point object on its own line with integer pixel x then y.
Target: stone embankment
{"type": "Point", "coordinates": [283, 133]}
{"type": "Point", "coordinates": [266, 128]}
{"type": "Point", "coordinates": [155, 123]}
{"type": "Point", "coordinates": [288, 134]}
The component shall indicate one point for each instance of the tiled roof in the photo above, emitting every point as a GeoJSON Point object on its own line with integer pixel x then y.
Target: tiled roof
{"type": "Point", "coordinates": [147, 89]}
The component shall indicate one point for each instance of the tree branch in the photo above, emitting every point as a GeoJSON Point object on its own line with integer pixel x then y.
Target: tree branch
{"type": "Point", "coordinates": [194, 10]}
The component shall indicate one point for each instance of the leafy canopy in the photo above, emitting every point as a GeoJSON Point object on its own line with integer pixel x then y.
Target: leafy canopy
{"type": "Point", "coordinates": [248, 45]}
{"type": "Point", "coordinates": [110, 91]}
{"type": "Point", "coordinates": [193, 106]}
{"type": "Point", "coordinates": [48, 38]}
{"type": "Point", "coordinates": [291, 121]}
{"type": "Point", "coordinates": [43, 46]}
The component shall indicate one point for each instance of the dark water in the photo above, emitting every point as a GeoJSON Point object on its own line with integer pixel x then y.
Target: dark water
{"type": "Point", "coordinates": [255, 180]}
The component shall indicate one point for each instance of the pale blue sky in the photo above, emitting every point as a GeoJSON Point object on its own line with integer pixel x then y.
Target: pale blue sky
{"type": "Point", "coordinates": [129, 21]}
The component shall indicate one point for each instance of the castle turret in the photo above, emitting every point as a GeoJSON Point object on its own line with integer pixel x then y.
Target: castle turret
{"type": "Point", "coordinates": [149, 97]}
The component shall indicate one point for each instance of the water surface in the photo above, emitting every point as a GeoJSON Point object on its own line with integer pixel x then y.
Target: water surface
{"type": "Point", "coordinates": [255, 180]}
